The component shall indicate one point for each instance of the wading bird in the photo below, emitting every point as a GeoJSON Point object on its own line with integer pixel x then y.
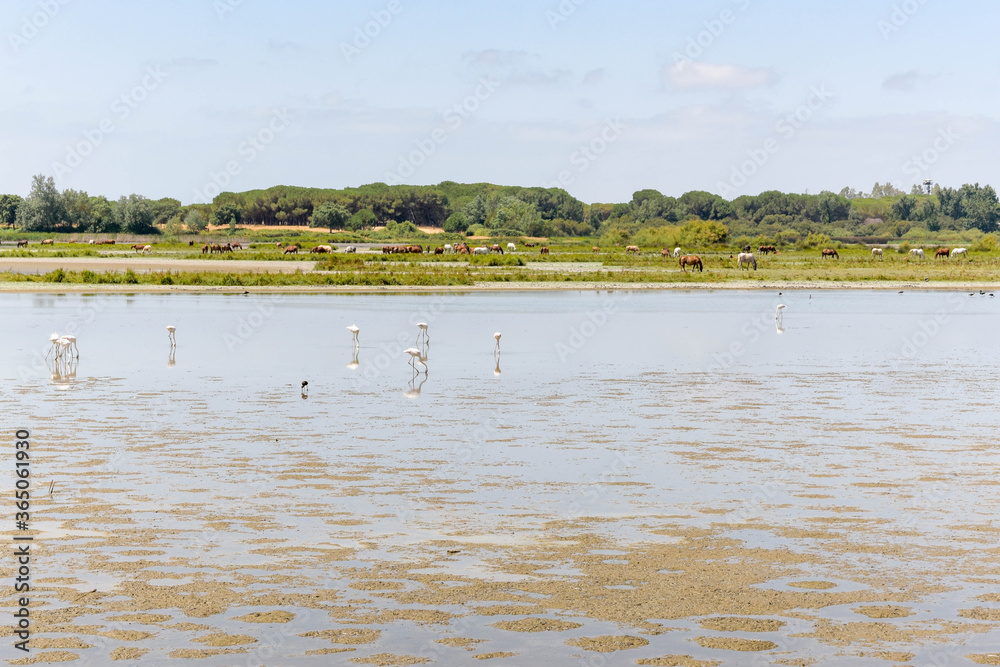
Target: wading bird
{"type": "Point", "coordinates": [53, 345]}
{"type": "Point", "coordinates": [415, 357]}
{"type": "Point", "coordinates": [497, 337]}
{"type": "Point", "coordinates": [354, 332]}
{"type": "Point", "coordinates": [423, 332]}
{"type": "Point", "coordinates": [71, 343]}
{"type": "Point", "coordinates": [170, 334]}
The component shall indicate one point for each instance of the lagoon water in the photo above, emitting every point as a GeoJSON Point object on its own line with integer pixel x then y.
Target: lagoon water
{"type": "Point", "coordinates": [700, 400]}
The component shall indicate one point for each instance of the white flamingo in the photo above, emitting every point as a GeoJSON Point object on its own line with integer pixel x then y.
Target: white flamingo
{"type": "Point", "coordinates": [423, 332]}
{"type": "Point", "coordinates": [53, 345]}
{"type": "Point", "coordinates": [415, 357]}
{"type": "Point", "coordinates": [354, 332]}
{"type": "Point", "coordinates": [71, 344]}
{"type": "Point", "coordinates": [497, 337]}
{"type": "Point", "coordinates": [170, 334]}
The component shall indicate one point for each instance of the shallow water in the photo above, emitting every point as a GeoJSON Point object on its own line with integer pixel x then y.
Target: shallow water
{"type": "Point", "coordinates": [864, 405]}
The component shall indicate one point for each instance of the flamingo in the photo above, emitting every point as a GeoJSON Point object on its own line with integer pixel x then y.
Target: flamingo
{"type": "Point", "coordinates": [170, 334]}
{"type": "Point", "coordinates": [423, 332]}
{"type": "Point", "coordinates": [53, 344]}
{"type": "Point", "coordinates": [71, 343]}
{"type": "Point", "coordinates": [415, 357]}
{"type": "Point", "coordinates": [354, 332]}
{"type": "Point", "coordinates": [305, 388]}
{"type": "Point", "coordinates": [778, 312]}
{"type": "Point", "coordinates": [497, 337]}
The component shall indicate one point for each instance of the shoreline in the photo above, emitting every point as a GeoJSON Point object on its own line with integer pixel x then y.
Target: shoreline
{"type": "Point", "coordinates": [742, 285]}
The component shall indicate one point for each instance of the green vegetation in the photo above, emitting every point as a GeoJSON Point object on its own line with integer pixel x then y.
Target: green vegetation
{"type": "Point", "coordinates": [380, 212]}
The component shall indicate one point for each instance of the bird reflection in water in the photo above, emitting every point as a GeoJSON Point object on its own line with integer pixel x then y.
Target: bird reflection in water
{"type": "Point", "coordinates": [779, 318]}
{"type": "Point", "coordinates": [413, 389]}
{"type": "Point", "coordinates": [172, 358]}
{"type": "Point", "coordinates": [62, 371]}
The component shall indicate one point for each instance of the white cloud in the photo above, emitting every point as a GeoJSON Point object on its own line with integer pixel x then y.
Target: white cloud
{"type": "Point", "coordinates": [691, 75]}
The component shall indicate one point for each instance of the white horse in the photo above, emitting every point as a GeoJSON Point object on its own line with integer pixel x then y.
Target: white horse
{"type": "Point", "coordinates": [350, 249]}
{"type": "Point", "coordinates": [959, 251]}
{"type": "Point", "coordinates": [449, 248]}
{"type": "Point", "coordinates": [918, 252]}
{"type": "Point", "coordinates": [877, 252]}
{"type": "Point", "coordinates": [481, 251]}
{"type": "Point", "coordinates": [677, 252]}
{"type": "Point", "coordinates": [511, 247]}
{"type": "Point", "coordinates": [746, 258]}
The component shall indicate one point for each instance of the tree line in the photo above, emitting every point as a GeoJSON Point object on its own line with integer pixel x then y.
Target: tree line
{"type": "Point", "coordinates": [488, 209]}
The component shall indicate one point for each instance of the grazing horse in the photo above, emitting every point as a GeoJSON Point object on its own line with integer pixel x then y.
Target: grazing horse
{"type": "Point", "coordinates": [236, 246]}
{"type": "Point", "coordinates": [942, 252]}
{"type": "Point", "coordinates": [958, 251]}
{"type": "Point", "coordinates": [216, 248]}
{"type": "Point", "coordinates": [545, 250]}
{"type": "Point", "coordinates": [746, 248]}
{"type": "Point", "coordinates": [692, 261]}
{"type": "Point", "coordinates": [746, 258]}
{"type": "Point", "coordinates": [496, 248]}
{"type": "Point", "coordinates": [664, 253]}
{"type": "Point", "coordinates": [632, 250]}
{"type": "Point", "coordinates": [291, 250]}
{"type": "Point", "coordinates": [595, 250]}
{"type": "Point", "coordinates": [481, 250]}
{"type": "Point", "coordinates": [767, 249]}
{"type": "Point", "coordinates": [138, 247]}
{"type": "Point", "coordinates": [918, 252]}
{"type": "Point", "coordinates": [24, 243]}
{"type": "Point", "coordinates": [449, 248]}
{"type": "Point", "coordinates": [530, 245]}
{"type": "Point", "coordinates": [511, 247]}
{"type": "Point", "coordinates": [48, 242]}
{"type": "Point", "coordinates": [830, 252]}
{"type": "Point", "coordinates": [877, 252]}
{"type": "Point", "coordinates": [349, 249]}
{"type": "Point", "coordinates": [146, 249]}
{"type": "Point", "coordinates": [463, 249]}
{"type": "Point", "coordinates": [677, 252]}
{"type": "Point", "coordinates": [205, 248]}
{"type": "Point", "coordinates": [439, 250]}
{"type": "Point", "coordinates": [321, 250]}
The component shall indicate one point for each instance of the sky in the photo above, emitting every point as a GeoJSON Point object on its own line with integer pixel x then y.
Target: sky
{"type": "Point", "coordinates": [189, 98]}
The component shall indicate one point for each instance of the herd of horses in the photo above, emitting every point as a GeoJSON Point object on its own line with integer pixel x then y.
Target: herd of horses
{"type": "Point", "coordinates": [212, 248]}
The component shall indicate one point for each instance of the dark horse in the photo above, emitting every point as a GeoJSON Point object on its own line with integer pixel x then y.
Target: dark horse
{"type": "Point", "coordinates": [692, 261]}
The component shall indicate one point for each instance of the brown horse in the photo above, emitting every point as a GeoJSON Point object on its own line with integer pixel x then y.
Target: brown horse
{"type": "Point", "coordinates": [830, 252]}
{"type": "Point", "coordinates": [48, 242]}
{"type": "Point", "coordinates": [496, 248]}
{"type": "Point", "coordinates": [439, 250]}
{"type": "Point", "coordinates": [632, 250]}
{"type": "Point", "coordinates": [291, 250]}
{"type": "Point", "coordinates": [22, 244]}
{"type": "Point", "coordinates": [205, 248]}
{"type": "Point", "coordinates": [595, 250]}
{"type": "Point", "coordinates": [545, 250]}
{"type": "Point", "coordinates": [942, 252]}
{"type": "Point", "coordinates": [138, 247]}
{"type": "Point", "coordinates": [692, 261]}
{"type": "Point", "coordinates": [664, 253]}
